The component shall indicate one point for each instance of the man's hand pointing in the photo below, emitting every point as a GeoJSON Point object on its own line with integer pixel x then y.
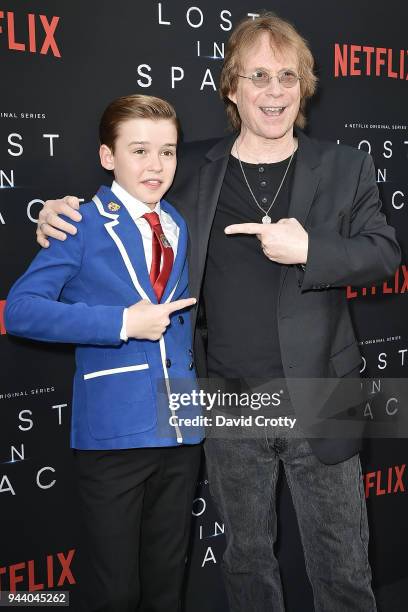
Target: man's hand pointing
{"type": "Point", "coordinates": [285, 242]}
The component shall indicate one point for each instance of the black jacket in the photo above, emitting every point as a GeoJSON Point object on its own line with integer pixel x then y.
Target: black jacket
{"type": "Point", "coordinates": [335, 197]}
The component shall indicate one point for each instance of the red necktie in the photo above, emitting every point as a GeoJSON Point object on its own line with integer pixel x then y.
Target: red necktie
{"type": "Point", "coordinates": [160, 248]}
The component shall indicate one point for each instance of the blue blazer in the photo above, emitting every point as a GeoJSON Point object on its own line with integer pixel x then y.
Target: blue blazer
{"type": "Point", "coordinates": [76, 291]}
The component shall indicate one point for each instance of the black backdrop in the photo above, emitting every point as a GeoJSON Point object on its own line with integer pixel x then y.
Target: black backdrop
{"type": "Point", "coordinates": [61, 63]}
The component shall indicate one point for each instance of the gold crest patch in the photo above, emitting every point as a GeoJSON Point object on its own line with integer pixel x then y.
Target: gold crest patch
{"type": "Point", "coordinates": [113, 206]}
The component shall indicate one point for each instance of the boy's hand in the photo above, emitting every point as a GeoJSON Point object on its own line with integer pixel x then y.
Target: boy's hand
{"type": "Point", "coordinates": [146, 321]}
{"type": "Point", "coordinates": [49, 223]}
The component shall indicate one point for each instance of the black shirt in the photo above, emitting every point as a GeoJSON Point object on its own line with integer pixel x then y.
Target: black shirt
{"type": "Point", "coordinates": [240, 284]}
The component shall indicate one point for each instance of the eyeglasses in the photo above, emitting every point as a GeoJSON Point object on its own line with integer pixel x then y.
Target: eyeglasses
{"type": "Point", "coordinates": [262, 78]}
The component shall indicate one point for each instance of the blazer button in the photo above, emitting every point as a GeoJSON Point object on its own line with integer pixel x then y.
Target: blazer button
{"type": "Point", "coordinates": [181, 320]}
{"type": "Point", "coordinates": [168, 363]}
{"type": "Point", "coordinates": [190, 352]}
{"type": "Point", "coordinates": [191, 365]}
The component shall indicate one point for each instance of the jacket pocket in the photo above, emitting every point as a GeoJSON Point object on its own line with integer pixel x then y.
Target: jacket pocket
{"type": "Point", "coordinates": [119, 394]}
{"type": "Point", "coordinates": [346, 360]}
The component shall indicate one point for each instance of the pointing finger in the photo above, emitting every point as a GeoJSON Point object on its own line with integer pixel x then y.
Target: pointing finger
{"type": "Point", "coordinates": [180, 304]}
{"type": "Point", "coordinates": [245, 228]}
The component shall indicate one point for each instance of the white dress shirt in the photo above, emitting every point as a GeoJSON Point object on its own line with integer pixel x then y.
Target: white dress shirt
{"type": "Point", "coordinates": [136, 210]}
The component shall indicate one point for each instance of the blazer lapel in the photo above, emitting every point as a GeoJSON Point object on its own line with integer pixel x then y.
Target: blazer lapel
{"type": "Point", "coordinates": [210, 183]}
{"type": "Point", "coordinates": [306, 179]}
{"type": "Point", "coordinates": [127, 238]}
{"type": "Point", "coordinates": [305, 183]}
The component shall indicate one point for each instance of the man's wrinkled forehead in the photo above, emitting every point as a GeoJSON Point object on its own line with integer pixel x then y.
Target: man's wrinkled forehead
{"type": "Point", "coordinates": [280, 51]}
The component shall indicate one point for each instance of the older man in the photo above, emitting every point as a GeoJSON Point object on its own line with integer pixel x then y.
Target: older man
{"type": "Point", "coordinates": [279, 223]}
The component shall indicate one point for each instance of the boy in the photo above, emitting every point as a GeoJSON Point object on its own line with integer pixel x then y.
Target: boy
{"type": "Point", "coordinates": [117, 291]}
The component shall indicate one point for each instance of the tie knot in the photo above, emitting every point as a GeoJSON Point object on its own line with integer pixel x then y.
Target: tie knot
{"type": "Point", "coordinates": [152, 218]}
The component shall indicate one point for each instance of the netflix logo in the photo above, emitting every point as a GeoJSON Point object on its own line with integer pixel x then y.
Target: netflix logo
{"type": "Point", "coordinates": [357, 60]}
{"type": "Point", "coordinates": [384, 482]}
{"type": "Point", "coordinates": [399, 284]}
{"type": "Point", "coordinates": [2, 326]}
{"type": "Point", "coordinates": [32, 33]}
{"type": "Point", "coordinates": [55, 571]}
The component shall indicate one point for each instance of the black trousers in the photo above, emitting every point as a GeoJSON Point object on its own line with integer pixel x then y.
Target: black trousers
{"type": "Point", "coordinates": [136, 506]}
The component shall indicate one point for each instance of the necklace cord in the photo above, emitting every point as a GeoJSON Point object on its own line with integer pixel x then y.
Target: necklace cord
{"type": "Point", "coordinates": [266, 218]}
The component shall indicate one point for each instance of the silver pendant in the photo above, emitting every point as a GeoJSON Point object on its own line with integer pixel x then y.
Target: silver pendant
{"type": "Point", "coordinates": [266, 219]}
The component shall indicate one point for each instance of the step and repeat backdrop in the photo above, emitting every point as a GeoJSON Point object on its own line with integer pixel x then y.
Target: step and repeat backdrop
{"type": "Point", "coordinates": [61, 63]}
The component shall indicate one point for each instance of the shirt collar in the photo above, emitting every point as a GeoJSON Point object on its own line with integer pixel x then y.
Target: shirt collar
{"type": "Point", "coordinates": [135, 207]}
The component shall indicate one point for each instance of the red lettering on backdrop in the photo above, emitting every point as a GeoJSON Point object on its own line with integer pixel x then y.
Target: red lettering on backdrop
{"type": "Point", "coordinates": [3, 570]}
{"type": "Point", "coordinates": [13, 44]}
{"type": "Point", "coordinates": [386, 288]}
{"type": "Point", "coordinates": [356, 60]}
{"type": "Point", "coordinates": [398, 285]}
{"type": "Point", "coordinates": [404, 287]}
{"type": "Point", "coordinates": [26, 572]}
{"type": "Point", "coordinates": [49, 41]}
{"type": "Point", "coordinates": [32, 586]}
{"type": "Point", "coordinates": [391, 73]}
{"type": "Point", "coordinates": [50, 571]}
{"type": "Point", "coordinates": [340, 60]}
{"type": "Point", "coordinates": [369, 52]}
{"type": "Point", "coordinates": [30, 34]}
{"type": "Point", "coordinates": [379, 490]}
{"type": "Point", "coordinates": [350, 293]}
{"type": "Point", "coordinates": [379, 60]}
{"type": "Point", "coordinates": [399, 485]}
{"type": "Point", "coordinates": [2, 326]}
{"type": "Point", "coordinates": [14, 577]}
{"type": "Point", "coordinates": [385, 483]}
{"type": "Point", "coordinates": [66, 572]}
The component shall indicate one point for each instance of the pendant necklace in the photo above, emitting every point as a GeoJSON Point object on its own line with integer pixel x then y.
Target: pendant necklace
{"type": "Point", "coordinates": [266, 218]}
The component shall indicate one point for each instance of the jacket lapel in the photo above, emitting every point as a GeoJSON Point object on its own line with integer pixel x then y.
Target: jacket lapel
{"type": "Point", "coordinates": [305, 183]}
{"type": "Point", "coordinates": [128, 240]}
{"type": "Point", "coordinates": [306, 179]}
{"type": "Point", "coordinates": [210, 182]}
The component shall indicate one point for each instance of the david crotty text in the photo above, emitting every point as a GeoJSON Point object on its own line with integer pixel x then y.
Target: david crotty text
{"type": "Point", "coordinates": [241, 421]}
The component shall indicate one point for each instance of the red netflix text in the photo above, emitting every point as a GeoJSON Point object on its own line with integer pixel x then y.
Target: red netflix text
{"type": "Point", "coordinates": [30, 33]}
{"type": "Point", "coordinates": [54, 570]}
{"type": "Point", "coordinates": [2, 326]}
{"type": "Point", "coordinates": [399, 284]}
{"type": "Point", "coordinates": [358, 60]}
{"type": "Point", "coordinates": [385, 482]}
